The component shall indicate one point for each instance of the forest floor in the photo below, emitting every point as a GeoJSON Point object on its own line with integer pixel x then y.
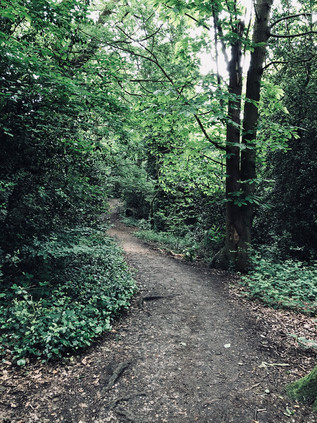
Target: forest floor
{"type": "Point", "coordinates": [188, 350]}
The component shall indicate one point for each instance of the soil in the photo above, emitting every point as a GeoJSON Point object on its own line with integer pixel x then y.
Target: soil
{"type": "Point", "coordinates": [188, 350]}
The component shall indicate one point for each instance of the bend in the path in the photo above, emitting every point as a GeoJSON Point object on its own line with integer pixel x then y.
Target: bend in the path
{"type": "Point", "coordinates": [197, 356]}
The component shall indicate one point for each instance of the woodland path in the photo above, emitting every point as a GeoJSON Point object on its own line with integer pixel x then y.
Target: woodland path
{"type": "Point", "coordinates": [185, 352]}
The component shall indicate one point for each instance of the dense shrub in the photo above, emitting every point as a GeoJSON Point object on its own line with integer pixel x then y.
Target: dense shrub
{"type": "Point", "coordinates": [59, 286]}
{"type": "Point", "coordinates": [86, 283]}
{"type": "Point", "coordinates": [288, 215]}
{"type": "Point", "coordinates": [193, 223]}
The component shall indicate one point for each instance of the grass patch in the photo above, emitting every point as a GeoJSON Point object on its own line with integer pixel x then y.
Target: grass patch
{"type": "Point", "coordinates": [290, 285]}
{"type": "Point", "coordinates": [82, 282]}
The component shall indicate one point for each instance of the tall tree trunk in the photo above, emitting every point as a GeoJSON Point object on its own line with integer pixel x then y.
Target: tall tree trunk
{"type": "Point", "coordinates": [227, 256]}
{"type": "Point", "coordinates": [250, 122]}
{"type": "Point", "coordinates": [233, 221]}
{"type": "Point", "coordinates": [241, 171]}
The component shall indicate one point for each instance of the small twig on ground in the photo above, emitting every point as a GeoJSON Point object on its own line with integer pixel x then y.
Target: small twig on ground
{"type": "Point", "coordinates": [152, 298]}
{"type": "Point", "coordinates": [260, 410]}
{"type": "Point", "coordinates": [117, 373]}
{"type": "Point", "coordinates": [253, 386]}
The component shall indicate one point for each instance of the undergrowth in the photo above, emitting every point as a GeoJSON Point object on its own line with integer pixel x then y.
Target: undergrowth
{"type": "Point", "coordinates": [185, 245]}
{"type": "Point", "coordinates": [290, 284]}
{"type": "Point", "coordinates": [79, 283]}
{"type": "Point", "coordinates": [192, 244]}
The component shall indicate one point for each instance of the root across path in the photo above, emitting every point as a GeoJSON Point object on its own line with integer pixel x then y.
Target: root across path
{"type": "Point", "coordinates": [185, 352]}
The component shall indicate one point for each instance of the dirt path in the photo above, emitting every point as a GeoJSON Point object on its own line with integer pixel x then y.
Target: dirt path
{"type": "Point", "coordinates": [184, 353]}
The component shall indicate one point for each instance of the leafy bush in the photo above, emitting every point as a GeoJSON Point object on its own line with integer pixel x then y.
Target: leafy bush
{"type": "Point", "coordinates": [289, 284]}
{"type": "Point", "coordinates": [87, 283]}
{"type": "Point", "coordinates": [58, 290]}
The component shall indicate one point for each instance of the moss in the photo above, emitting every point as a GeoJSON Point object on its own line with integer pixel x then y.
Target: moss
{"type": "Point", "coordinates": [305, 389]}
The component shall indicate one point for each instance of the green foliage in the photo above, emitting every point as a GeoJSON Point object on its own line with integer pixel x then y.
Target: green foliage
{"type": "Point", "coordinates": [304, 342]}
{"type": "Point", "coordinates": [192, 242]}
{"type": "Point", "coordinates": [137, 191]}
{"type": "Point", "coordinates": [186, 245]}
{"type": "Point", "coordinates": [120, 107]}
{"type": "Point", "coordinates": [60, 286]}
{"type": "Point", "coordinates": [86, 284]}
{"type": "Point", "coordinates": [289, 284]}
{"type": "Point", "coordinates": [289, 219]}
{"type": "Point", "coordinates": [52, 102]}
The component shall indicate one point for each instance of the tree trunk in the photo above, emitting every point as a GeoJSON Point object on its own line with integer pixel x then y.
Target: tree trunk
{"type": "Point", "coordinates": [227, 256]}
{"type": "Point", "coordinates": [241, 171]}
{"type": "Point", "coordinates": [305, 389]}
{"type": "Point", "coordinates": [250, 121]}
{"type": "Point", "coordinates": [233, 222]}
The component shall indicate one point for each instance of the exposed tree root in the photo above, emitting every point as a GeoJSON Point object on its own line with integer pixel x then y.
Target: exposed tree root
{"type": "Point", "coordinates": [117, 373]}
{"type": "Point", "coordinates": [127, 415]}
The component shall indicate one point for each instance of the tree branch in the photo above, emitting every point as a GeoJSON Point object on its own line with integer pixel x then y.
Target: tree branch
{"type": "Point", "coordinates": [302, 34]}
{"type": "Point", "coordinates": [152, 58]}
{"type": "Point", "coordinates": [230, 16]}
{"type": "Point", "coordinates": [212, 160]}
{"type": "Point", "coordinates": [155, 60]}
{"type": "Point", "coordinates": [152, 35]}
{"type": "Point", "coordinates": [285, 62]}
{"type": "Point", "coordinates": [216, 144]}
{"type": "Point", "coordinates": [127, 92]}
{"type": "Point", "coordinates": [143, 39]}
{"type": "Point", "coordinates": [216, 46]}
{"type": "Point", "coordinates": [192, 18]}
{"type": "Point", "coordinates": [220, 31]}
{"type": "Point", "coordinates": [289, 17]}
{"type": "Point", "coordinates": [147, 80]}
{"type": "Point", "coordinates": [197, 21]}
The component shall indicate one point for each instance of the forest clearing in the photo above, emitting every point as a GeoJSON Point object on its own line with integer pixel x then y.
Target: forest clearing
{"type": "Point", "coordinates": [186, 132]}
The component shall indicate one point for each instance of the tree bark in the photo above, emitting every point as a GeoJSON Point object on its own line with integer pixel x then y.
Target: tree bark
{"type": "Point", "coordinates": [305, 389]}
{"type": "Point", "coordinates": [226, 258]}
{"type": "Point", "coordinates": [250, 121]}
{"type": "Point", "coordinates": [233, 221]}
{"type": "Point", "coordinates": [241, 162]}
